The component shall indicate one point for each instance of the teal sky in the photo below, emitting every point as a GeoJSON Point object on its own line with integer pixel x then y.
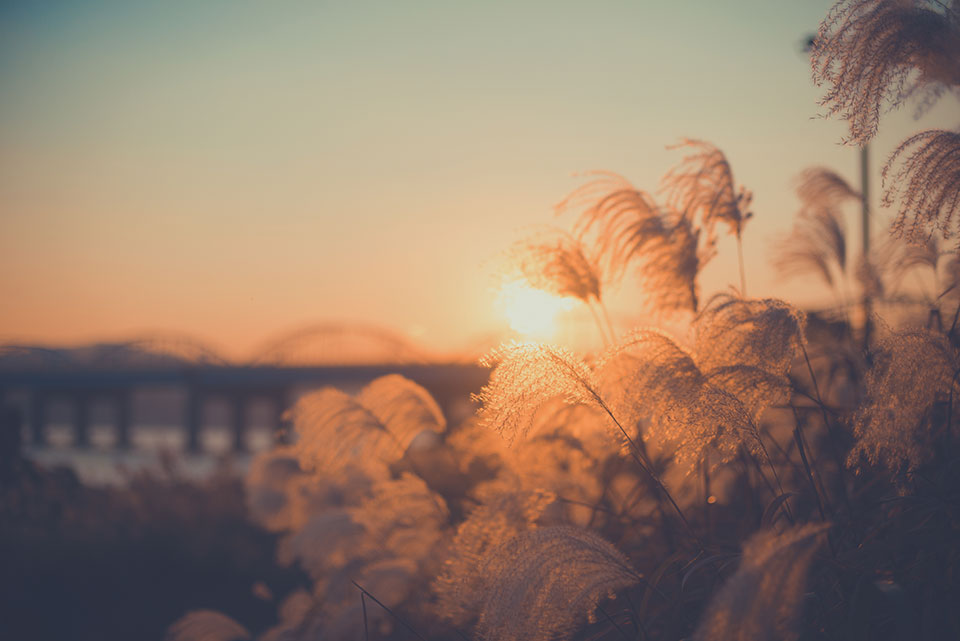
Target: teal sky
{"type": "Point", "coordinates": [232, 169]}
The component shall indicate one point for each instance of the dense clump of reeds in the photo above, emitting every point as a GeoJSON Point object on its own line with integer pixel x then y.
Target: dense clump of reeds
{"type": "Point", "coordinates": [666, 488]}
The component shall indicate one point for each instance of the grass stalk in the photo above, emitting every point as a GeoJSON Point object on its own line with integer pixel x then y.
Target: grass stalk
{"type": "Point", "coordinates": [396, 616]}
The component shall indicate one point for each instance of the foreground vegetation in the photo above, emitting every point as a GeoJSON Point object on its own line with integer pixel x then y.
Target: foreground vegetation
{"type": "Point", "coordinates": [768, 474]}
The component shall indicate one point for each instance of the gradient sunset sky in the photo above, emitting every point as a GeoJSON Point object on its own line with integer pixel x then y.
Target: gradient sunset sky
{"type": "Point", "coordinates": [234, 169]}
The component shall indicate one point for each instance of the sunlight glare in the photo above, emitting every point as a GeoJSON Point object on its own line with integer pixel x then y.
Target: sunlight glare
{"type": "Point", "coordinates": [531, 312]}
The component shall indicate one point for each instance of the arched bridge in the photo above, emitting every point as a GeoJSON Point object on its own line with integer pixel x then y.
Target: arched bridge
{"type": "Point", "coordinates": [315, 356]}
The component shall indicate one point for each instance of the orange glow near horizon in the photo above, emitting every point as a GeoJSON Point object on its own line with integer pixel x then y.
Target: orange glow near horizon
{"type": "Point", "coordinates": [531, 312]}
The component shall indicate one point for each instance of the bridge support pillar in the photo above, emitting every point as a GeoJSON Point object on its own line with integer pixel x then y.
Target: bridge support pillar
{"type": "Point", "coordinates": [38, 419]}
{"type": "Point", "coordinates": [239, 422]}
{"type": "Point", "coordinates": [124, 407]}
{"type": "Point", "coordinates": [82, 421]}
{"type": "Point", "coordinates": [193, 418]}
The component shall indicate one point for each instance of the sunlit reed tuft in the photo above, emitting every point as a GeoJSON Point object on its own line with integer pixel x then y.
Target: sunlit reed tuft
{"type": "Point", "coordinates": [923, 178]}
{"type": "Point", "coordinates": [461, 586]}
{"type": "Point", "coordinates": [558, 263]}
{"type": "Point", "coordinates": [763, 600]}
{"type": "Point", "coordinates": [524, 378]}
{"type": "Point", "coordinates": [632, 230]}
{"type": "Point", "coordinates": [206, 625]}
{"type": "Point", "coordinates": [545, 583]}
{"type": "Point", "coordinates": [650, 378]}
{"type": "Point", "coordinates": [818, 241]}
{"type": "Point", "coordinates": [763, 333]}
{"type": "Point", "coordinates": [334, 428]}
{"type": "Point", "coordinates": [895, 426]}
{"type": "Point", "coordinates": [871, 50]}
{"type": "Point", "coordinates": [702, 186]}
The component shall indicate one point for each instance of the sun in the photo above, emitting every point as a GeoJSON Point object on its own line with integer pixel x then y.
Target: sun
{"type": "Point", "coordinates": [531, 312]}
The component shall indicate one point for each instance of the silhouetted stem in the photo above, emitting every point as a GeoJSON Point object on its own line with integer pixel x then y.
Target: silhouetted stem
{"type": "Point", "coordinates": [389, 611]}
{"type": "Point", "coordinates": [776, 477]}
{"type": "Point", "coordinates": [645, 465]}
{"type": "Point", "coordinates": [826, 423]}
{"type": "Point", "coordinates": [615, 624]}
{"type": "Point", "coordinates": [599, 324]}
{"type": "Point", "coordinates": [743, 276]}
{"type": "Point", "coordinates": [797, 436]}
{"type": "Point", "coordinates": [606, 317]}
{"type": "Point", "coordinates": [363, 604]}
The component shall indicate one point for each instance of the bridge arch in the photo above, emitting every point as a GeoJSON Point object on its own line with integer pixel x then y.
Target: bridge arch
{"type": "Point", "coordinates": [333, 343]}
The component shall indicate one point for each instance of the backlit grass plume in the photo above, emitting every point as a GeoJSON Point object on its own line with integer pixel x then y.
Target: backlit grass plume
{"type": "Point", "coordinates": [334, 429]}
{"type": "Point", "coordinates": [818, 241]}
{"type": "Point", "coordinates": [632, 230]}
{"type": "Point", "coordinates": [524, 378]}
{"type": "Point", "coordinates": [558, 263]}
{"type": "Point", "coordinates": [403, 517]}
{"type": "Point", "coordinates": [650, 377]}
{"type": "Point", "coordinates": [702, 186]}
{"type": "Point", "coordinates": [868, 51]}
{"type": "Point", "coordinates": [822, 187]}
{"type": "Point", "coordinates": [206, 625]}
{"type": "Point", "coordinates": [763, 333]}
{"type": "Point", "coordinates": [620, 216]}
{"type": "Point", "coordinates": [817, 244]}
{"type": "Point", "coordinates": [763, 600]}
{"type": "Point", "coordinates": [545, 583]}
{"type": "Point", "coordinates": [923, 178]}
{"type": "Point", "coordinates": [671, 264]}
{"type": "Point", "coordinates": [895, 425]}
{"type": "Point", "coordinates": [461, 586]}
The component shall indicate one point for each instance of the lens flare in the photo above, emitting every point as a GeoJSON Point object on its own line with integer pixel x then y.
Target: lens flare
{"type": "Point", "coordinates": [531, 312]}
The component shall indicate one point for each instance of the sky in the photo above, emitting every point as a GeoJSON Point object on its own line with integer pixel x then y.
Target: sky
{"type": "Point", "coordinates": [232, 170]}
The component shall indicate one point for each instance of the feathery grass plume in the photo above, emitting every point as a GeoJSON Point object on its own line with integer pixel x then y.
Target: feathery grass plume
{"type": "Point", "coordinates": [404, 407]}
{"type": "Point", "coordinates": [545, 583]}
{"type": "Point", "coordinates": [682, 408]}
{"type": "Point", "coordinates": [334, 428]}
{"type": "Point", "coordinates": [206, 625]}
{"type": "Point", "coordinates": [702, 185]}
{"type": "Point", "coordinates": [818, 241]}
{"type": "Point", "coordinates": [525, 377]}
{"type": "Point", "coordinates": [293, 617]}
{"type": "Point", "coordinates": [631, 228]}
{"type": "Point", "coordinates": [558, 263]}
{"type": "Point", "coordinates": [560, 463]}
{"type": "Point", "coordinates": [403, 517]}
{"type": "Point", "coordinates": [671, 264]}
{"type": "Point", "coordinates": [923, 174]}
{"type": "Point", "coordinates": [763, 333]}
{"type": "Point", "coordinates": [268, 487]}
{"type": "Point", "coordinates": [911, 371]}
{"type": "Point", "coordinates": [281, 496]}
{"type": "Point", "coordinates": [763, 599]}
{"type": "Point", "coordinates": [328, 541]}
{"type": "Point", "coordinates": [622, 218]}
{"type": "Point", "coordinates": [926, 259]}
{"type": "Point", "coordinates": [871, 50]}
{"type": "Point", "coordinates": [870, 276]}
{"type": "Point", "coordinates": [586, 424]}
{"type": "Point", "coordinates": [914, 255]}
{"type": "Point", "coordinates": [460, 586]}
{"type": "Point", "coordinates": [755, 388]}
{"type": "Point", "coordinates": [823, 187]}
